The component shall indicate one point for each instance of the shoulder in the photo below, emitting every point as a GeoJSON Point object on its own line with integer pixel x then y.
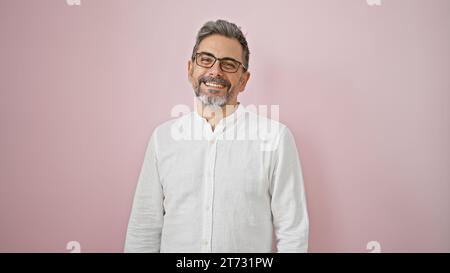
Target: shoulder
{"type": "Point", "coordinates": [269, 131]}
{"type": "Point", "coordinates": [166, 127]}
{"type": "Point", "coordinates": [170, 130]}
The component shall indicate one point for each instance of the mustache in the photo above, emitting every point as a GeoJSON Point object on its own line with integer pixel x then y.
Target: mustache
{"type": "Point", "coordinates": [211, 79]}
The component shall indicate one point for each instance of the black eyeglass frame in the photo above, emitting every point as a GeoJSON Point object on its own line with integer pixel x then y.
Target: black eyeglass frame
{"type": "Point", "coordinates": [220, 62]}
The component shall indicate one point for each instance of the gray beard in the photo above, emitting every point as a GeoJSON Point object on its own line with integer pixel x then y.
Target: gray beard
{"type": "Point", "coordinates": [212, 101]}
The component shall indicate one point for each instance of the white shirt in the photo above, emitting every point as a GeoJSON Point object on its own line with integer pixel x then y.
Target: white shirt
{"type": "Point", "coordinates": [227, 190]}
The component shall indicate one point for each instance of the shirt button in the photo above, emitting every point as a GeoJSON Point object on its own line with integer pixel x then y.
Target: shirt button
{"type": "Point", "coordinates": [207, 208]}
{"type": "Point", "coordinates": [205, 242]}
{"type": "Point", "coordinates": [212, 141]}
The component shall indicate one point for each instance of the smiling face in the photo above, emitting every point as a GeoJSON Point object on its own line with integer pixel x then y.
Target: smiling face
{"type": "Point", "coordinates": [213, 86]}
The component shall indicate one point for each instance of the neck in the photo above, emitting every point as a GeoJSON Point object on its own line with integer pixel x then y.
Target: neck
{"type": "Point", "coordinates": [214, 115]}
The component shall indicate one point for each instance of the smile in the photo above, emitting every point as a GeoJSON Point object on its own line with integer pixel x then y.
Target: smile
{"type": "Point", "coordinates": [215, 85]}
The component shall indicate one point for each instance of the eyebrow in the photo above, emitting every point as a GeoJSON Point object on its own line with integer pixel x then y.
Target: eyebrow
{"type": "Point", "coordinates": [225, 58]}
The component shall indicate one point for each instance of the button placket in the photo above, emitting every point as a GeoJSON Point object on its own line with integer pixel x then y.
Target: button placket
{"type": "Point", "coordinates": [209, 196]}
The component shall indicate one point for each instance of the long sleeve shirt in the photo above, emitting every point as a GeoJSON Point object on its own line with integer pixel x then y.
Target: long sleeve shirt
{"type": "Point", "coordinates": [224, 190]}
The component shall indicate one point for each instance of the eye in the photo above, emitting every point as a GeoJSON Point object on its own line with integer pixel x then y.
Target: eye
{"type": "Point", "coordinates": [206, 59]}
{"type": "Point", "coordinates": [229, 65]}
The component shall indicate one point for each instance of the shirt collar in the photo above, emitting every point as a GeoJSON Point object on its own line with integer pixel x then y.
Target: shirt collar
{"type": "Point", "coordinates": [223, 123]}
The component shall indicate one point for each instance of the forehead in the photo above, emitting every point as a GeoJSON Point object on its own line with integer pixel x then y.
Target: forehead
{"type": "Point", "coordinates": [221, 47]}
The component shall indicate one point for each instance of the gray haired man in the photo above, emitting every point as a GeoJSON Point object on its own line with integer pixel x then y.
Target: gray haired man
{"type": "Point", "coordinates": [230, 188]}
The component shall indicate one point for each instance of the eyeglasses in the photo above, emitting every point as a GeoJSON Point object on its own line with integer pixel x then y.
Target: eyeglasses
{"type": "Point", "coordinates": [207, 60]}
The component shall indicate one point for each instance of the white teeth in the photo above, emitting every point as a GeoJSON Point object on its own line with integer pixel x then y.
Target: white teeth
{"type": "Point", "coordinates": [210, 84]}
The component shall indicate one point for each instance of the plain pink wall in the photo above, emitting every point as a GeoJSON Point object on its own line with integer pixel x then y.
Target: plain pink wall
{"type": "Point", "coordinates": [365, 89]}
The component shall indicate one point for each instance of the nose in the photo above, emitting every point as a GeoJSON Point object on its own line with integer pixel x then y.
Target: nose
{"type": "Point", "coordinates": [215, 70]}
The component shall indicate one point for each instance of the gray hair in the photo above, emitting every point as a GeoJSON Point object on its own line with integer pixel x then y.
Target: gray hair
{"type": "Point", "coordinates": [226, 29]}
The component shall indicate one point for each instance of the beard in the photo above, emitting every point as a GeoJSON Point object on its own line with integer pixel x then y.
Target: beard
{"type": "Point", "coordinates": [212, 100]}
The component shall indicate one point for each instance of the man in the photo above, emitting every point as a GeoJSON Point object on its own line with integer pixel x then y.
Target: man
{"type": "Point", "coordinates": [213, 180]}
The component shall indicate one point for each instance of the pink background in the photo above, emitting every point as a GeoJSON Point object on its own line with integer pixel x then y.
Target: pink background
{"type": "Point", "coordinates": [365, 90]}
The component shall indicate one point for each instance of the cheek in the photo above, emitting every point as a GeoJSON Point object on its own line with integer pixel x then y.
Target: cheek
{"type": "Point", "coordinates": [196, 76]}
{"type": "Point", "coordinates": [194, 80]}
{"type": "Point", "coordinates": [235, 82]}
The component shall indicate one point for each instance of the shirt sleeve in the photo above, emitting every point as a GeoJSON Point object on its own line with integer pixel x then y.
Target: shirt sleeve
{"type": "Point", "coordinates": [288, 201]}
{"type": "Point", "coordinates": [146, 219]}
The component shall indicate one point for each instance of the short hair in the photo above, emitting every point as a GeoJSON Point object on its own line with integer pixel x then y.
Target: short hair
{"type": "Point", "coordinates": [226, 29]}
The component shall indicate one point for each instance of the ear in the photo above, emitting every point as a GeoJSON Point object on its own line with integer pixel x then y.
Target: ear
{"type": "Point", "coordinates": [244, 79]}
{"type": "Point", "coordinates": [190, 71]}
